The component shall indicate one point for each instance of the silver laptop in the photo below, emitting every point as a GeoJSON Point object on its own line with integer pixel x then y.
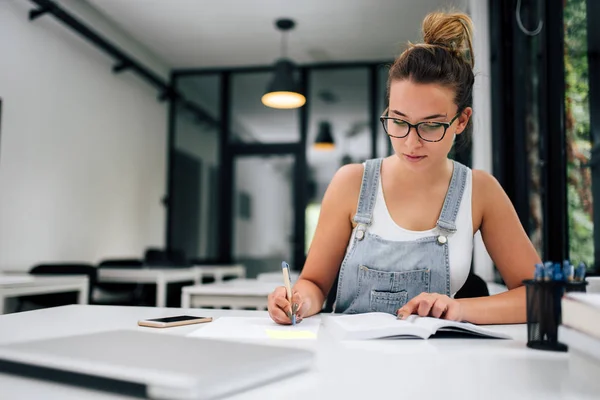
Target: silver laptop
{"type": "Point", "coordinates": [153, 365]}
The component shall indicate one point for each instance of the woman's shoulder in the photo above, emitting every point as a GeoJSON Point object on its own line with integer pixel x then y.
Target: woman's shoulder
{"type": "Point", "coordinates": [483, 180]}
{"type": "Point", "coordinates": [487, 191]}
{"type": "Point", "coordinates": [348, 177]}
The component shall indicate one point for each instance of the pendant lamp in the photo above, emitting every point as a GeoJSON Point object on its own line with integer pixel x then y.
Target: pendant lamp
{"type": "Point", "coordinates": [324, 139]}
{"type": "Point", "coordinates": [283, 92]}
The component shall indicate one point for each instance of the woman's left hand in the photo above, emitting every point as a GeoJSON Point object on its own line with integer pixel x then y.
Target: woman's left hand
{"type": "Point", "coordinates": [432, 305]}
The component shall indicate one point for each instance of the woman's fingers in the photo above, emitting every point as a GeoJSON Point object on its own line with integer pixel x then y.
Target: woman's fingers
{"type": "Point", "coordinates": [431, 305]}
{"type": "Point", "coordinates": [279, 307]}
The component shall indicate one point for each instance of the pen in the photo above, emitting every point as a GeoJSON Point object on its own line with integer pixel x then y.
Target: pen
{"type": "Point", "coordinates": [285, 268]}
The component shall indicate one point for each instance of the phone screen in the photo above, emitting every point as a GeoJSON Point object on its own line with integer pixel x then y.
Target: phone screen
{"type": "Point", "coordinates": [178, 318]}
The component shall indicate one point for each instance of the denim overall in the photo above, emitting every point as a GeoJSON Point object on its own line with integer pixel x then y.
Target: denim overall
{"type": "Point", "coordinates": [382, 275]}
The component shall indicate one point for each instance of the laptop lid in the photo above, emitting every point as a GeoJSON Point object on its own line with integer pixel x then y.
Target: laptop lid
{"type": "Point", "coordinates": [153, 365]}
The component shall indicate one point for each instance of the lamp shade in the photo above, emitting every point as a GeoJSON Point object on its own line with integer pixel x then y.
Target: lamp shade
{"type": "Point", "coordinates": [324, 139]}
{"type": "Point", "coordinates": [283, 92]}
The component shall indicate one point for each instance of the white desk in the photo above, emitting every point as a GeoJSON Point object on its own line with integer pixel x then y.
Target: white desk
{"type": "Point", "coordinates": [380, 369]}
{"type": "Point", "coordinates": [235, 294]}
{"type": "Point", "coordinates": [158, 276]}
{"type": "Point", "coordinates": [277, 277]}
{"type": "Point", "coordinates": [218, 272]}
{"type": "Point", "coordinates": [24, 285]}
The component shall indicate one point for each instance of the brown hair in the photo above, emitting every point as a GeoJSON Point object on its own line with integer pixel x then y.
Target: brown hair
{"type": "Point", "coordinates": [446, 57]}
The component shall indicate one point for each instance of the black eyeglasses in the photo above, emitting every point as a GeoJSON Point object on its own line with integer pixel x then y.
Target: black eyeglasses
{"type": "Point", "coordinates": [429, 131]}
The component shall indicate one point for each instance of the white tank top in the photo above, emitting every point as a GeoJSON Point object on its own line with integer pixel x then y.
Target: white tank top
{"type": "Point", "coordinates": [460, 244]}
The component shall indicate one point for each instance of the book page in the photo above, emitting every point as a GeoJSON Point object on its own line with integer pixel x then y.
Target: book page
{"type": "Point", "coordinates": [366, 321]}
{"type": "Point", "coordinates": [441, 325]}
{"type": "Point", "coordinates": [257, 328]}
{"type": "Point", "coordinates": [382, 325]}
{"type": "Point", "coordinates": [375, 325]}
{"type": "Point", "coordinates": [591, 299]}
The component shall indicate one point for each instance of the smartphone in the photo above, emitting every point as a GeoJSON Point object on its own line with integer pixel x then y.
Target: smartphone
{"type": "Point", "coordinates": [173, 321]}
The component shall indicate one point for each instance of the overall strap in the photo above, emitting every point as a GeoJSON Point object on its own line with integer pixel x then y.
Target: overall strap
{"type": "Point", "coordinates": [447, 219]}
{"type": "Point", "coordinates": [368, 191]}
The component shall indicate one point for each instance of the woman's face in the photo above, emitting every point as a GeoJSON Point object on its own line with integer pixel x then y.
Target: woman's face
{"type": "Point", "coordinates": [413, 103]}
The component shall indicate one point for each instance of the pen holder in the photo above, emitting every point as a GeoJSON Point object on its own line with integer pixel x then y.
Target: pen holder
{"type": "Point", "coordinates": [544, 312]}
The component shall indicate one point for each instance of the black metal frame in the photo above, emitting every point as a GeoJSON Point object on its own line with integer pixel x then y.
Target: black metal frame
{"type": "Point", "coordinates": [509, 48]}
{"type": "Point", "coordinates": [230, 150]}
{"type": "Point", "coordinates": [593, 36]}
{"type": "Point", "coordinates": [556, 227]}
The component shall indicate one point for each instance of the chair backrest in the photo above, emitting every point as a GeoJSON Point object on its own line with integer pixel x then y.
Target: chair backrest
{"type": "Point", "coordinates": [165, 258]}
{"type": "Point", "coordinates": [474, 286]}
{"type": "Point", "coordinates": [121, 263]}
{"type": "Point", "coordinates": [69, 269]}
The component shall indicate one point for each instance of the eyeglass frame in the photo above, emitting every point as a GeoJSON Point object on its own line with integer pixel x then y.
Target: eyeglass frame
{"type": "Point", "coordinates": [446, 125]}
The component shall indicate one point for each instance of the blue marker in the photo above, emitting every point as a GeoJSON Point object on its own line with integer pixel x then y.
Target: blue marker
{"type": "Point", "coordinates": [558, 272]}
{"type": "Point", "coordinates": [548, 271]}
{"type": "Point", "coordinates": [539, 272]}
{"type": "Point", "coordinates": [580, 272]}
{"type": "Point", "coordinates": [568, 271]}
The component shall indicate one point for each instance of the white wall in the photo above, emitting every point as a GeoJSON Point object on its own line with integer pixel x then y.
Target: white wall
{"type": "Point", "coordinates": [269, 230]}
{"type": "Point", "coordinates": [201, 142]}
{"type": "Point", "coordinates": [82, 151]}
{"type": "Point", "coordinates": [482, 117]}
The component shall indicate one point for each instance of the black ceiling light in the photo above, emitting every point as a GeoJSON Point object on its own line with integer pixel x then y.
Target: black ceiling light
{"type": "Point", "coordinates": [324, 139]}
{"type": "Point", "coordinates": [283, 92]}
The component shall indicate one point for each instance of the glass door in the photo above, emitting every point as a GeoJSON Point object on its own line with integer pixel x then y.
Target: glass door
{"type": "Point", "coordinates": [581, 148]}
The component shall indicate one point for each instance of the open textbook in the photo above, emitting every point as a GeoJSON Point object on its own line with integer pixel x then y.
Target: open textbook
{"type": "Point", "coordinates": [378, 325]}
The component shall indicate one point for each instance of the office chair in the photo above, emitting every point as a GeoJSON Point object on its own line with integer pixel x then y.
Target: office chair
{"type": "Point", "coordinates": [154, 257]}
{"type": "Point", "coordinates": [166, 258]}
{"type": "Point", "coordinates": [120, 293]}
{"type": "Point", "coordinates": [60, 299]}
{"type": "Point", "coordinates": [474, 287]}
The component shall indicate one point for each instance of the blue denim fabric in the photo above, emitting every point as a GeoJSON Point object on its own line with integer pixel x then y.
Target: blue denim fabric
{"type": "Point", "coordinates": [382, 275]}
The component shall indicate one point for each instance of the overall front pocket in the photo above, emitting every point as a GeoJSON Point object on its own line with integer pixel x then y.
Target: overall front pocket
{"type": "Point", "coordinates": [387, 291]}
{"type": "Point", "coordinates": [387, 302]}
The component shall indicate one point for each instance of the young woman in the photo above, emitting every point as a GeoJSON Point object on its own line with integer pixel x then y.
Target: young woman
{"type": "Point", "coordinates": [399, 231]}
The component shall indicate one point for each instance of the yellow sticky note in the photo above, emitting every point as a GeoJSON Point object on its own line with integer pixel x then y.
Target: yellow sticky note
{"type": "Point", "coordinates": [274, 334]}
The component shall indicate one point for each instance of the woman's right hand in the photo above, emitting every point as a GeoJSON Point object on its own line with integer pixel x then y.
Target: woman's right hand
{"type": "Point", "coordinates": [280, 309]}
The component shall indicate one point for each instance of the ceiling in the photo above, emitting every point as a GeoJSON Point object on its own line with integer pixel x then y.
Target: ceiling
{"type": "Point", "coordinates": [208, 33]}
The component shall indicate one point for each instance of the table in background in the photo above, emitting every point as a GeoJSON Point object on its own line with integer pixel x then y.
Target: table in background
{"type": "Point", "coordinates": [277, 277]}
{"type": "Point", "coordinates": [25, 285]}
{"type": "Point", "coordinates": [155, 275]}
{"type": "Point", "coordinates": [234, 294]}
{"type": "Point", "coordinates": [219, 271]}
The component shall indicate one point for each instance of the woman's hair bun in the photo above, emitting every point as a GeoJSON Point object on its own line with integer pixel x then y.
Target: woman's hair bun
{"type": "Point", "coordinates": [453, 31]}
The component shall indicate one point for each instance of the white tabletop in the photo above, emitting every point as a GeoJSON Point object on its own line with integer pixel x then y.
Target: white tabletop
{"type": "Point", "coordinates": [144, 275]}
{"type": "Point", "coordinates": [410, 368]}
{"type": "Point", "coordinates": [235, 287]}
{"type": "Point", "coordinates": [14, 281]}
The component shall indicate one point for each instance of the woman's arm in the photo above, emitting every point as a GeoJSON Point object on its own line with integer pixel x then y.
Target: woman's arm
{"type": "Point", "coordinates": [327, 248]}
{"type": "Point", "coordinates": [509, 247]}
{"type": "Point", "coordinates": [331, 237]}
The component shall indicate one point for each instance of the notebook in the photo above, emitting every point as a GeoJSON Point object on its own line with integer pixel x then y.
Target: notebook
{"type": "Point", "coordinates": [257, 328]}
{"type": "Point", "coordinates": [378, 325]}
{"type": "Point", "coordinates": [153, 365]}
{"type": "Point", "coordinates": [581, 311]}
